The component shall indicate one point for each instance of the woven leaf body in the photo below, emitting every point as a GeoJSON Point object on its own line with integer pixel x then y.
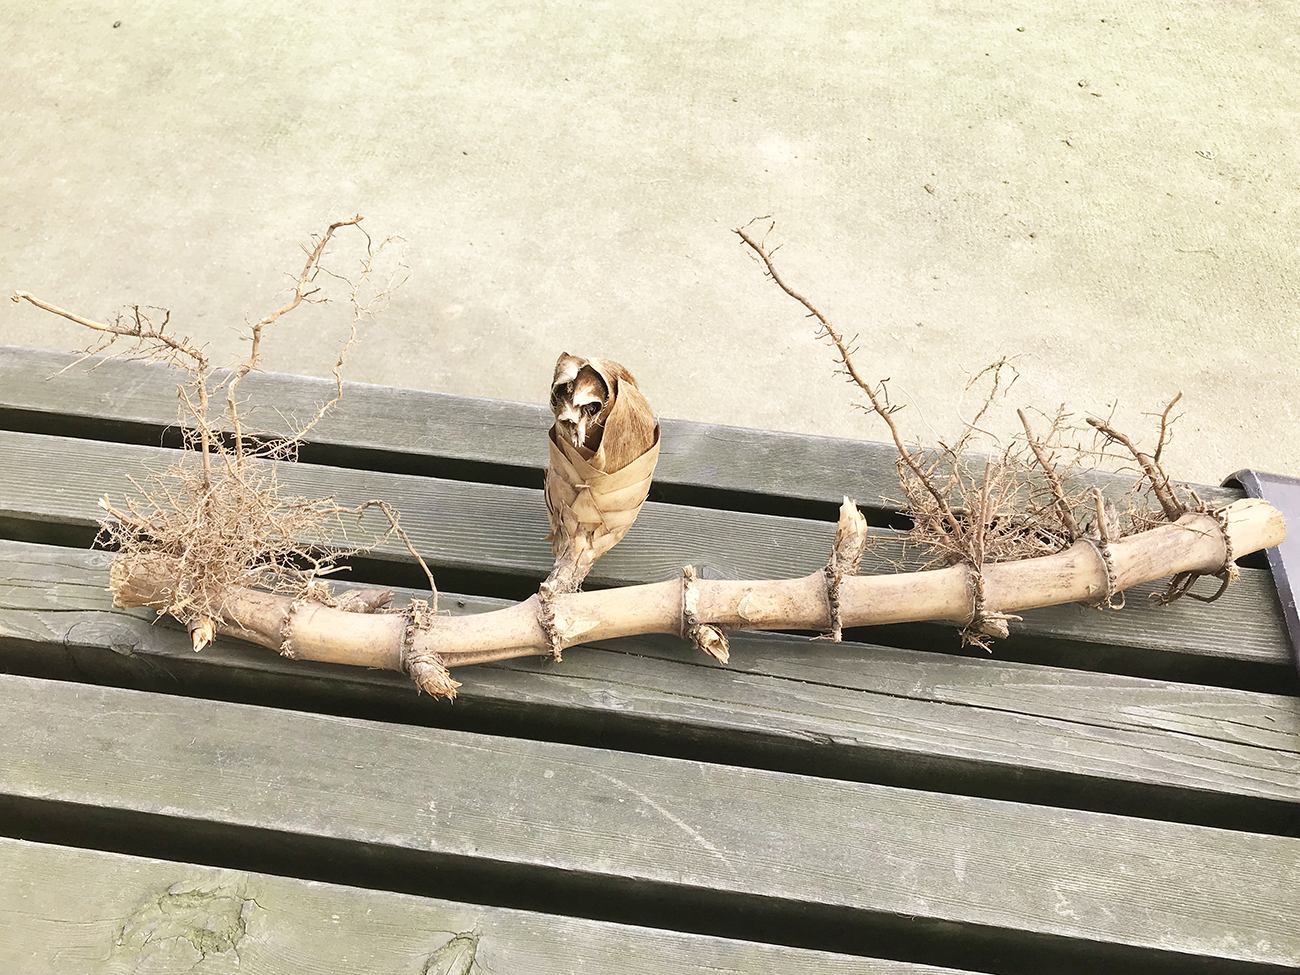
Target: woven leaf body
{"type": "Point", "coordinates": [593, 493]}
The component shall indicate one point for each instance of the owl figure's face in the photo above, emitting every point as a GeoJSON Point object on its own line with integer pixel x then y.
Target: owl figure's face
{"type": "Point", "coordinates": [580, 404]}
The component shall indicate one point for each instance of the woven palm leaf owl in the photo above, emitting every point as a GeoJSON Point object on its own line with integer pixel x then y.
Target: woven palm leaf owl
{"type": "Point", "coordinates": [604, 445]}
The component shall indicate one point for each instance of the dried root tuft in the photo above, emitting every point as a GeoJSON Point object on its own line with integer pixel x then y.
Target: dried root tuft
{"type": "Point", "coordinates": [219, 520]}
{"type": "Point", "coordinates": [1029, 499]}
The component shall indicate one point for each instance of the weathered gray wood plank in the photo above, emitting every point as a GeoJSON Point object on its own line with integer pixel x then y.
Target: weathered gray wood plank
{"type": "Point", "coordinates": [66, 911]}
{"type": "Point", "coordinates": [456, 427]}
{"type": "Point", "coordinates": [463, 527]}
{"type": "Point", "coordinates": [694, 455]}
{"type": "Point", "coordinates": [675, 825]}
{"type": "Point", "coordinates": [841, 706]}
{"type": "Point", "coordinates": [455, 524]}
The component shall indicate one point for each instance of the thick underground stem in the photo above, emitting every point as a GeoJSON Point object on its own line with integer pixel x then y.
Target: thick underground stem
{"type": "Point", "coordinates": [1193, 544]}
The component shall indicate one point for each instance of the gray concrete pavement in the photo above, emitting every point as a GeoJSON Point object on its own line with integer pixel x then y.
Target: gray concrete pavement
{"type": "Point", "coordinates": [1109, 192]}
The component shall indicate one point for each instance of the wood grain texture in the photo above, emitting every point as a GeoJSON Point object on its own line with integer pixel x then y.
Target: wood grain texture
{"type": "Point", "coordinates": [1061, 741]}
{"type": "Point", "coordinates": [697, 456]}
{"type": "Point", "coordinates": [464, 527]}
{"type": "Point", "coordinates": [138, 915]}
{"type": "Point", "coordinates": [672, 824]}
{"type": "Point", "coordinates": [438, 425]}
{"type": "Point", "coordinates": [839, 706]}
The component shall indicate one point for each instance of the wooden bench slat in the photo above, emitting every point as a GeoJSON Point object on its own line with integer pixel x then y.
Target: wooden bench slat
{"type": "Point", "coordinates": [944, 869]}
{"type": "Point", "coordinates": [695, 456]}
{"type": "Point", "coordinates": [142, 914]}
{"type": "Point", "coordinates": [672, 824]}
{"type": "Point", "coordinates": [462, 527]}
{"type": "Point", "coordinates": [456, 524]}
{"type": "Point", "coordinates": [858, 703]}
{"type": "Point", "coordinates": [386, 419]}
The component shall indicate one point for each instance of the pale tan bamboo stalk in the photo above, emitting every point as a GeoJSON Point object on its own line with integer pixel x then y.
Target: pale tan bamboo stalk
{"type": "Point", "coordinates": [311, 631]}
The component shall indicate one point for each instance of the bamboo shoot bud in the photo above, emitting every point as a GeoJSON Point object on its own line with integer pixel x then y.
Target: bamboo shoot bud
{"type": "Point", "coordinates": [604, 446]}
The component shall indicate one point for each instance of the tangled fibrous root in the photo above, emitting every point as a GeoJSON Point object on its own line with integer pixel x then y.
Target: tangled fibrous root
{"type": "Point", "coordinates": [239, 529]}
{"type": "Point", "coordinates": [1033, 498]}
{"type": "Point", "coordinates": [218, 519]}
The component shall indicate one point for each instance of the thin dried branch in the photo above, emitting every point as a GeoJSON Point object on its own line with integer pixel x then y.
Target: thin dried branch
{"type": "Point", "coordinates": [300, 293]}
{"type": "Point", "coordinates": [1062, 503]}
{"type": "Point", "coordinates": [875, 395]}
{"type": "Point", "coordinates": [1156, 477]}
{"type": "Point", "coordinates": [1166, 428]}
{"type": "Point", "coordinates": [363, 307]}
{"type": "Point", "coordinates": [960, 513]}
{"type": "Point", "coordinates": [395, 528]}
{"type": "Point", "coordinates": [993, 369]}
{"type": "Point", "coordinates": [139, 329]}
{"type": "Point", "coordinates": [153, 344]}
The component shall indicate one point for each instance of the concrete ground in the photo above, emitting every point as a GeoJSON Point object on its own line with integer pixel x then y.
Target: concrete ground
{"type": "Point", "coordinates": [1109, 192]}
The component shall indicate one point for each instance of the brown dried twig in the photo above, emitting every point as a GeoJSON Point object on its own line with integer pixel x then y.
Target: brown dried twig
{"type": "Point", "coordinates": [1062, 503]}
{"type": "Point", "coordinates": [300, 294]}
{"type": "Point", "coordinates": [153, 344]}
{"type": "Point", "coordinates": [1155, 474]}
{"type": "Point", "coordinates": [214, 543]}
{"type": "Point", "coordinates": [876, 395]}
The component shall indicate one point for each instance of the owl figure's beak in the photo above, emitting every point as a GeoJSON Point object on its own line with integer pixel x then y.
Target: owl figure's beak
{"type": "Point", "coordinates": [588, 407]}
{"type": "Point", "coordinates": [580, 399]}
{"type": "Point", "coordinates": [566, 421]}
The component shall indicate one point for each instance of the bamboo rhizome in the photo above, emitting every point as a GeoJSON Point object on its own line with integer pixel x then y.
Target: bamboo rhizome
{"type": "Point", "coordinates": [219, 547]}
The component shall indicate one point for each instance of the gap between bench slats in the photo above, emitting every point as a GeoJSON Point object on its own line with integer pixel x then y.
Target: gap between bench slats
{"type": "Point", "coordinates": [134, 914]}
{"type": "Point", "coordinates": [642, 831]}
